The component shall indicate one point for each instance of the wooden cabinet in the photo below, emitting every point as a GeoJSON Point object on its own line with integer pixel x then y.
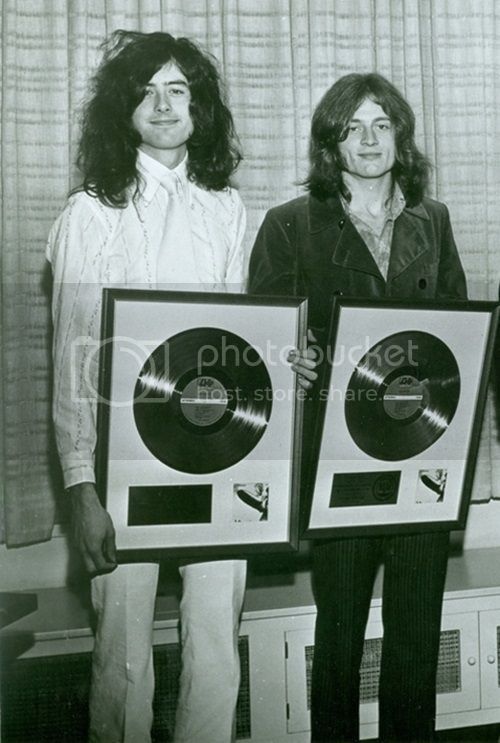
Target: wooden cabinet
{"type": "Point", "coordinates": [276, 650]}
{"type": "Point", "coordinates": [458, 677]}
{"type": "Point", "coordinates": [468, 677]}
{"type": "Point", "coordinates": [489, 643]}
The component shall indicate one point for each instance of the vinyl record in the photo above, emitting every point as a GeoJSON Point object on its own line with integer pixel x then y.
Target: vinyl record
{"type": "Point", "coordinates": [202, 400]}
{"type": "Point", "coordinates": [402, 395]}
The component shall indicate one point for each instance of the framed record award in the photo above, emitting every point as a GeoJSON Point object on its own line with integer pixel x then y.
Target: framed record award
{"type": "Point", "coordinates": [401, 400]}
{"type": "Point", "coordinates": [199, 422]}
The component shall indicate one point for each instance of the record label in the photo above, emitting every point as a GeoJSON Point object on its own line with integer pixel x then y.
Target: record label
{"type": "Point", "coordinates": [402, 395]}
{"type": "Point", "coordinates": [204, 401]}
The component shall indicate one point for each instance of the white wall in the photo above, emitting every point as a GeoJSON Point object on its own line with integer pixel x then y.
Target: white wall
{"type": "Point", "coordinates": [47, 565]}
{"type": "Point", "coordinates": [483, 526]}
{"type": "Point", "coordinates": [44, 565]}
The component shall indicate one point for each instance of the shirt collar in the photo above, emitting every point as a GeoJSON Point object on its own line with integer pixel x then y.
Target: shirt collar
{"type": "Point", "coordinates": [397, 203]}
{"type": "Point", "coordinates": [153, 173]}
{"type": "Point", "coordinates": [395, 207]}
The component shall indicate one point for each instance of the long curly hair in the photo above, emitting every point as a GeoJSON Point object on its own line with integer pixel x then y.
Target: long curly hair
{"type": "Point", "coordinates": [107, 153]}
{"type": "Point", "coordinates": [330, 124]}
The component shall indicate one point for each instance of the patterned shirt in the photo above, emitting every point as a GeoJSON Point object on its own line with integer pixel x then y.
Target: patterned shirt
{"type": "Point", "coordinates": [92, 246]}
{"type": "Point", "coordinates": [379, 243]}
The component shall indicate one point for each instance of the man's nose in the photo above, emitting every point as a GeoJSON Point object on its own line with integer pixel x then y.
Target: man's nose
{"type": "Point", "coordinates": [369, 136]}
{"type": "Point", "coordinates": [162, 102]}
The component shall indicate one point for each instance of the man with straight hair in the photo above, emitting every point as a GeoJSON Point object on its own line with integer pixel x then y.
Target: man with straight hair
{"type": "Point", "coordinates": [366, 230]}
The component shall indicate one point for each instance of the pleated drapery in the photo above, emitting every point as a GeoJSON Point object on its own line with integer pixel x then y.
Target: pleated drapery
{"type": "Point", "coordinates": [278, 57]}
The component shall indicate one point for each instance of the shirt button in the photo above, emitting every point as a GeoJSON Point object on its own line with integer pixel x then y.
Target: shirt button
{"type": "Point", "coordinates": [341, 223]}
{"type": "Point", "coordinates": [422, 283]}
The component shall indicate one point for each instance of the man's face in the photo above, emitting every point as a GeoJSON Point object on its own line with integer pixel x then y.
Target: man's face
{"type": "Point", "coordinates": [369, 151]}
{"type": "Point", "coordinates": [162, 118]}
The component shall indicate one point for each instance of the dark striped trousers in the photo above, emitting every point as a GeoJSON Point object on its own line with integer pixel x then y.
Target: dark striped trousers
{"type": "Point", "coordinates": [343, 575]}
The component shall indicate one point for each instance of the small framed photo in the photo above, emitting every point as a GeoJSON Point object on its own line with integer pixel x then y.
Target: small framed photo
{"type": "Point", "coordinates": [199, 422]}
{"type": "Point", "coordinates": [401, 400]}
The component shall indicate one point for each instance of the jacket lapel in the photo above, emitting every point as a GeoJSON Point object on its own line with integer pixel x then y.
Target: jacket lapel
{"type": "Point", "coordinates": [343, 246]}
{"type": "Point", "coordinates": [409, 240]}
{"type": "Point", "coordinates": [338, 238]}
{"type": "Point", "coordinates": [352, 253]}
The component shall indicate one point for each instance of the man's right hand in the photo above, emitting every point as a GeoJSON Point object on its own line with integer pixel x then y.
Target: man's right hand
{"type": "Point", "coordinates": [93, 530]}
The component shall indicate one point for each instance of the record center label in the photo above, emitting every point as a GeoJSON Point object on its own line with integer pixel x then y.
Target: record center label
{"type": "Point", "coordinates": [404, 396]}
{"type": "Point", "coordinates": [204, 401]}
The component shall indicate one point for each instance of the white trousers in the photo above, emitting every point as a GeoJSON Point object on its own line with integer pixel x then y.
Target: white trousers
{"type": "Point", "coordinates": [122, 667]}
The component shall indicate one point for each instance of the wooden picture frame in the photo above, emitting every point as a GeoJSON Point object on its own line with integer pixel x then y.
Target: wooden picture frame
{"type": "Point", "coordinates": [401, 405]}
{"type": "Point", "coordinates": [199, 421]}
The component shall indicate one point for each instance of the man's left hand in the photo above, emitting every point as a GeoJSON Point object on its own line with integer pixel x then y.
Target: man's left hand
{"type": "Point", "coordinates": [304, 363]}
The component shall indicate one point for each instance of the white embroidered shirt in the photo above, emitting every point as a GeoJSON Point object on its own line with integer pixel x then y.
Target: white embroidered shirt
{"type": "Point", "coordinates": [92, 246]}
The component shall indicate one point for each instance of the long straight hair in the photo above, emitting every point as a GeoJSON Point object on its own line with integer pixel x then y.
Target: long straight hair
{"type": "Point", "coordinates": [330, 124]}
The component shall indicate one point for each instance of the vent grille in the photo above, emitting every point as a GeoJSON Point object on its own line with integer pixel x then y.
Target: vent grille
{"type": "Point", "coordinates": [448, 678]}
{"type": "Point", "coordinates": [45, 699]}
{"type": "Point", "coordinates": [167, 663]}
{"type": "Point", "coordinates": [449, 673]}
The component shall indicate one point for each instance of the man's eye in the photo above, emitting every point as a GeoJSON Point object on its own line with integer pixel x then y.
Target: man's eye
{"type": "Point", "coordinates": [354, 128]}
{"type": "Point", "coordinates": [148, 91]}
{"type": "Point", "coordinates": [385, 127]}
{"type": "Point", "coordinates": [177, 91]}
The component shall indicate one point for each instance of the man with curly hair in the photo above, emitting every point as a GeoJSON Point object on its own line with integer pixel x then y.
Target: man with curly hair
{"type": "Point", "coordinates": [366, 230]}
{"type": "Point", "coordinates": [156, 209]}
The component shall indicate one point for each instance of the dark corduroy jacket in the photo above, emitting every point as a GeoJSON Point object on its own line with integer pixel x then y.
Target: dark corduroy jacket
{"type": "Point", "coordinates": [310, 248]}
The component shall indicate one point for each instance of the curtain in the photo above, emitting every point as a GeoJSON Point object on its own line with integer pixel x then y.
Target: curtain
{"type": "Point", "coordinates": [277, 57]}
